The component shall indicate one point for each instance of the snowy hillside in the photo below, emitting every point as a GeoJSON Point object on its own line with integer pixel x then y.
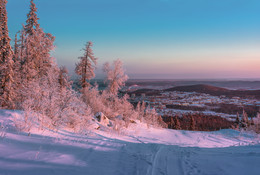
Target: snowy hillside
{"type": "Point", "coordinates": [141, 151]}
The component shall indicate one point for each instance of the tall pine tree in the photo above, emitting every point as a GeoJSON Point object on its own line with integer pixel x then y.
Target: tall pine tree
{"type": "Point", "coordinates": [35, 47]}
{"type": "Point", "coordinates": [7, 93]}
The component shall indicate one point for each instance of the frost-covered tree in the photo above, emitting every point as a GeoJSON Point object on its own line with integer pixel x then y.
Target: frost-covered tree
{"type": "Point", "coordinates": [85, 68]}
{"type": "Point", "coordinates": [36, 47]}
{"type": "Point", "coordinates": [151, 117]}
{"type": "Point", "coordinates": [63, 78]}
{"type": "Point", "coordinates": [7, 93]}
{"type": "Point", "coordinates": [32, 20]}
{"type": "Point", "coordinates": [110, 107]}
{"type": "Point", "coordinates": [122, 106]}
{"type": "Point", "coordinates": [140, 108]}
{"type": "Point", "coordinates": [257, 123]}
{"type": "Point", "coordinates": [116, 77]}
{"type": "Point", "coordinates": [17, 65]}
{"type": "Point", "coordinates": [16, 48]}
{"type": "Point", "coordinates": [244, 121]}
{"type": "Point", "coordinates": [237, 122]}
{"type": "Point", "coordinates": [97, 101]}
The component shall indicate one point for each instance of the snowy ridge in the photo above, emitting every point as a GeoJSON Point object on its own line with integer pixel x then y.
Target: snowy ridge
{"type": "Point", "coordinates": [140, 150]}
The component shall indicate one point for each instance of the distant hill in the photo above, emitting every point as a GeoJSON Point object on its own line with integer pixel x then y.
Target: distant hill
{"type": "Point", "coordinates": [147, 92]}
{"type": "Point", "coordinates": [201, 88]}
{"type": "Point", "coordinates": [229, 84]}
{"type": "Point", "coordinates": [216, 91]}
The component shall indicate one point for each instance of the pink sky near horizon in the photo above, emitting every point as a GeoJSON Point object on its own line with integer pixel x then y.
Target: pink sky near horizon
{"type": "Point", "coordinates": [182, 62]}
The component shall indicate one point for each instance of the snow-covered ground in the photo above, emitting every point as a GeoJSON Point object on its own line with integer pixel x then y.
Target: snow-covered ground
{"type": "Point", "coordinates": [139, 150]}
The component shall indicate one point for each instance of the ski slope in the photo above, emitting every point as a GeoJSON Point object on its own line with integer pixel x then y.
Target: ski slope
{"type": "Point", "coordinates": [137, 150]}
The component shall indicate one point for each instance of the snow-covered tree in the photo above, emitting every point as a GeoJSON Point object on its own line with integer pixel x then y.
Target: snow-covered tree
{"type": "Point", "coordinates": [64, 79]}
{"type": "Point", "coordinates": [151, 117]}
{"type": "Point", "coordinates": [36, 47]}
{"type": "Point", "coordinates": [140, 108]}
{"type": "Point", "coordinates": [96, 101]}
{"type": "Point", "coordinates": [32, 20]}
{"type": "Point", "coordinates": [244, 121]}
{"type": "Point", "coordinates": [237, 122]}
{"type": "Point", "coordinates": [7, 93]}
{"type": "Point", "coordinates": [85, 68]}
{"type": "Point", "coordinates": [19, 72]}
{"type": "Point", "coordinates": [16, 48]}
{"type": "Point", "coordinates": [123, 107]}
{"type": "Point", "coordinates": [257, 123]}
{"type": "Point", "coordinates": [116, 77]}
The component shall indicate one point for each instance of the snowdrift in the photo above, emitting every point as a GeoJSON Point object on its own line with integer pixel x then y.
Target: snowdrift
{"type": "Point", "coordinates": [138, 149]}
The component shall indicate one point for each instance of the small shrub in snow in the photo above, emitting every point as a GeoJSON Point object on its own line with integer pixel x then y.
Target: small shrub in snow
{"type": "Point", "coordinates": [3, 129]}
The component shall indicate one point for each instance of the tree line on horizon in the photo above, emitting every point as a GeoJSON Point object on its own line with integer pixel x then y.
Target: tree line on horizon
{"type": "Point", "coordinates": [31, 81]}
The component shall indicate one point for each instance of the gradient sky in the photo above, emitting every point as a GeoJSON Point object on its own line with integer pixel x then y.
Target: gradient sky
{"type": "Point", "coordinates": [171, 39]}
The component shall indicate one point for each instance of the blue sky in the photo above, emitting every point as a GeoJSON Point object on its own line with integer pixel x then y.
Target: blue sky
{"type": "Point", "coordinates": [154, 38]}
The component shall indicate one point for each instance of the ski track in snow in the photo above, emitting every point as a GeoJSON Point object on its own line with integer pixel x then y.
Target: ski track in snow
{"type": "Point", "coordinates": [173, 161]}
{"type": "Point", "coordinates": [141, 151]}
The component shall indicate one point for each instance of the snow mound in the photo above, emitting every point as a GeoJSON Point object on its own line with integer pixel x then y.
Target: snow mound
{"type": "Point", "coordinates": [141, 133]}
